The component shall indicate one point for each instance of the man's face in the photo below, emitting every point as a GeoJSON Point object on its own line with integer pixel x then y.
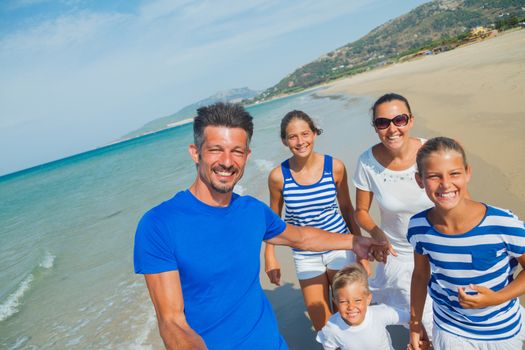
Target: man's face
{"type": "Point", "coordinates": [222, 157]}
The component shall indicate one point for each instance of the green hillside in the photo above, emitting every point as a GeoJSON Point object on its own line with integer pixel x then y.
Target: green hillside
{"type": "Point", "coordinates": [440, 23]}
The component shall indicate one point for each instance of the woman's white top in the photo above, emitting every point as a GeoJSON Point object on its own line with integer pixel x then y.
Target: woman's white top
{"type": "Point", "coordinates": [397, 194]}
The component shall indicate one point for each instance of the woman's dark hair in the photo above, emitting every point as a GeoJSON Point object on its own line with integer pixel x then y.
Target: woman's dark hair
{"type": "Point", "coordinates": [298, 115]}
{"type": "Point", "coordinates": [437, 144]}
{"type": "Point", "coordinates": [387, 98]}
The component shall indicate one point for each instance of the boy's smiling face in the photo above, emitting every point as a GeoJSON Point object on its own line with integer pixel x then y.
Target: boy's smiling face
{"type": "Point", "coordinates": [352, 301]}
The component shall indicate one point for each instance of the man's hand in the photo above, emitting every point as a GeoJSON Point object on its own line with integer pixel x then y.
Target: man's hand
{"type": "Point", "coordinates": [362, 247]}
{"type": "Point", "coordinates": [166, 294]}
{"type": "Point", "coordinates": [484, 297]}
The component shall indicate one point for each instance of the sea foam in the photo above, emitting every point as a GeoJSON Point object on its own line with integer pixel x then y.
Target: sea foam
{"type": "Point", "coordinates": [47, 261]}
{"type": "Point", "coordinates": [239, 189]}
{"type": "Point", "coordinates": [10, 305]}
{"type": "Point", "coordinates": [264, 165]}
{"type": "Point", "coordinates": [20, 342]}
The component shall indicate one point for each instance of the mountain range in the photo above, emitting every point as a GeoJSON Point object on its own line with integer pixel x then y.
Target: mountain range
{"type": "Point", "coordinates": [437, 23]}
{"type": "Point", "coordinates": [427, 25]}
{"type": "Point", "coordinates": [232, 95]}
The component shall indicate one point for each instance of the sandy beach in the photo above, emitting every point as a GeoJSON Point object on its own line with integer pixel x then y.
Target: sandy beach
{"type": "Point", "coordinates": [474, 94]}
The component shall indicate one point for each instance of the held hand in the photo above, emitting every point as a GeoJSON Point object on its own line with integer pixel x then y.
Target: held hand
{"type": "Point", "coordinates": [391, 249]}
{"type": "Point", "coordinates": [484, 297]}
{"type": "Point", "coordinates": [418, 337]}
{"type": "Point", "coordinates": [381, 236]}
{"type": "Point", "coordinates": [273, 270]}
{"type": "Point", "coordinates": [380, 253]}
{"type": "Point", "coordinates": [363, 245]}
{"type": "Point", "coordinates": [414, 341]}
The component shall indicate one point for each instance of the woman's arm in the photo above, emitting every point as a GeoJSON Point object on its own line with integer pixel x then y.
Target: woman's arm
{"type": "Point", "coordinates": [345, 204]}
{"type": "Point", "coordinates": [343, 197]}
{"type": "Point", "coordinates": [275, 186]}
{"type": "Point", "coordinates": [418, 295]}
{"type": "Point", "coordinates": [364, 219]}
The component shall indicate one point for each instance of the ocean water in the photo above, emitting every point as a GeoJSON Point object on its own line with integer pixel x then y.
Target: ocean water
{"type": "Point", "coordinates": [67, 227]}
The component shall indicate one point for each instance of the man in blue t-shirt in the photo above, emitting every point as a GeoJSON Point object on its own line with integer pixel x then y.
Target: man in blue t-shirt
{"type": "Point", "coordinates": [199, 251]}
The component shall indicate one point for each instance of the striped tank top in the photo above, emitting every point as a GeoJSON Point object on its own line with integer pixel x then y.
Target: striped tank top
{"type": "Point", "coordinates": [312, 205]}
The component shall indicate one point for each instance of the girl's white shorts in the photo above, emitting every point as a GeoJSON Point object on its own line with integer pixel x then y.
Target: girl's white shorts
{"type": "Point", "coordinates": [310, 266]}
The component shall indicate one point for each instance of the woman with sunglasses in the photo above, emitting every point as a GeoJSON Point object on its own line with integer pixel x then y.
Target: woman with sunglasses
{"type": "Point", "coordinates": [386, 173]}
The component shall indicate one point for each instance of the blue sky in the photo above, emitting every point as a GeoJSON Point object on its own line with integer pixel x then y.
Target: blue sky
{"type": "Point", "coordinates": [78, 74]}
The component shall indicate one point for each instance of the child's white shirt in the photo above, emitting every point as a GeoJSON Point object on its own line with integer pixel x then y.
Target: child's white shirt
{"type": "Point", "coordinates": [370, 334]}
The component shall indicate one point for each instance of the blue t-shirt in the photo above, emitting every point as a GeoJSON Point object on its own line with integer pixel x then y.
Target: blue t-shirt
{"type": "Point", "coordinates": [216, 251]}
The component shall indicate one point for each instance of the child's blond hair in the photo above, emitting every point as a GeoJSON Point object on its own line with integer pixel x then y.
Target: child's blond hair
{"type": "Point", "coordinates": [350, 274]}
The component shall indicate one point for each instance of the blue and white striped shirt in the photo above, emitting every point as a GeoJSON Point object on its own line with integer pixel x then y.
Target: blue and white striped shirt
{"type": "Point", "coordinates": [486, 255]}
{"type": "Point", "coordinates": [312, 205]}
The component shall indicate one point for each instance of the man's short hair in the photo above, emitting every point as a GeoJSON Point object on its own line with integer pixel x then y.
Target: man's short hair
{"type": "Point", "coordinates": [230, 115]}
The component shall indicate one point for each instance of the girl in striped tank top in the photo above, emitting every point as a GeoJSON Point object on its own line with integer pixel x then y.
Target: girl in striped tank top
{"type": "Point", "coordinates": [311, 186]}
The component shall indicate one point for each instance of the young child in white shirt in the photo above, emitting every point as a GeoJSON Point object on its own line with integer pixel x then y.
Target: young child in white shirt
{"type": "Point", "coordinates": [358, 325]}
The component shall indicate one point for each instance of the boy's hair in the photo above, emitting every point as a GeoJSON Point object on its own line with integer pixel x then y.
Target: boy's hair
{"type": "Point", "coordinates": [437, 144]}
{"type": "Point", "coordinates": [230, 115]}
{"type": "Point", "coordinates": [350, 274]}
{"type": "Point", "coordinates": [295, 114]}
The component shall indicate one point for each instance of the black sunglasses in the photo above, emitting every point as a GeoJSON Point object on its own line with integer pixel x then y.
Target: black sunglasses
{"type": "Point", "coordinates": [398, 120]}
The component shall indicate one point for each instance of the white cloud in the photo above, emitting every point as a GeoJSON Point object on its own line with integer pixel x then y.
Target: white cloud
{"type": "Point", "coordinates": [17, 4]}
{"type": "Point", "coordinates": [152, 10]}
{"type": "Point", "coordinates": [115, 70]}
{"type": "Point", "coordinates": [60, 32]}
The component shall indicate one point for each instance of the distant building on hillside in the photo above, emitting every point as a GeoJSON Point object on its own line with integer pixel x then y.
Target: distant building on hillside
{"type": "Point", "coordinates": [479, 32]}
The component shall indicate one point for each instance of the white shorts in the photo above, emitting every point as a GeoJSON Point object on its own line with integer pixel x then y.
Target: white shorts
{"type": "Point", "coordinates": [310, 266]}
{"type": "Point", "coordinates": [443, 340]}
{"type": "Point", "coordinates": [391, 286]}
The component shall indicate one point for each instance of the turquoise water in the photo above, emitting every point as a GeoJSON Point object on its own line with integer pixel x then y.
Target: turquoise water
{"type": "Point", "coordinates": [66, 228]}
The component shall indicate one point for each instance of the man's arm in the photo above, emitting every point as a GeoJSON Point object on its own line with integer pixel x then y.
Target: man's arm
{"type": "Point", "coordinates": [314, 239]}
{"type": "Point", "coordinates": [166, 294]}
